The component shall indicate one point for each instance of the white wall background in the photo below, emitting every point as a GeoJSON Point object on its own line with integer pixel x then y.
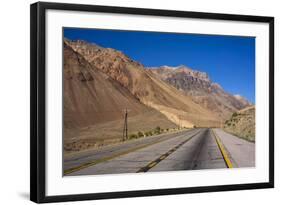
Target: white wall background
{"type": "Point", "coordinates": [14, 100]}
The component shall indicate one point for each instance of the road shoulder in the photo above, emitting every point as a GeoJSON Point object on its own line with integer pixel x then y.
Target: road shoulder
{"type": "Point", "coordinates": [242, 152]}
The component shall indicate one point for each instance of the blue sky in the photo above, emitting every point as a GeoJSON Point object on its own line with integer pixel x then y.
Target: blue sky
{"type": "Point", "coordinates": [228, 60]}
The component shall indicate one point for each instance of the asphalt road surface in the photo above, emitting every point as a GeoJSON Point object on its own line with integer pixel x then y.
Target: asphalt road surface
{"type": "Point", "coordinates": [202, 148]}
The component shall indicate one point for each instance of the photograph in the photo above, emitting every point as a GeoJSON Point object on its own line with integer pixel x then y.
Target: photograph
{"type": "Point", "coordinates": [146, 101]}
{"type": "Point", "coordinates": [134, 102]}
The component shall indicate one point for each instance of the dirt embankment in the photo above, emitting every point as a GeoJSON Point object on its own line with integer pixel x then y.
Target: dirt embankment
{"type": "Point", "coordinates": [242, 124]}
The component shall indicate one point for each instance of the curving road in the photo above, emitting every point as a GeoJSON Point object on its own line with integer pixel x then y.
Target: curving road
{"type": "Point", "coordinates": [202, 148]}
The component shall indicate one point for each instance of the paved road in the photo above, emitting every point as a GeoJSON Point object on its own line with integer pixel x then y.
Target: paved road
{"type": "Point", "coordinates": [186, 150]}
{"type": "Point", "coordinates": [75, 160]}
{"type": "Point", "coordinates": [202, 152]}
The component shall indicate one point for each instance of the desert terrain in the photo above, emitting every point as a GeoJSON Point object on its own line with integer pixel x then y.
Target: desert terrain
{"type": "Point", "coordinates": [102, 84]}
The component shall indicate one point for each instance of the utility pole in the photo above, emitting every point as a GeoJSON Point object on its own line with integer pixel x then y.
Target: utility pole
{"type": "Point", "coordinates": [220, 121]}
{"type": "Point", "coordinates": [125, 128]}
{"type": "Point", "coordinates": [179, 122]}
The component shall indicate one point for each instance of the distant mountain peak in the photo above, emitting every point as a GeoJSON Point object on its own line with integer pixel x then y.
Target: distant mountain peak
{"type": "Point", "coordinates": [238, 96]}
{"type": "Point", "coordinates": [243, 100]}
{"type": "Point", "coordinates": [216, 86]}
{"type": "Point", "coordinates": [198, 85]}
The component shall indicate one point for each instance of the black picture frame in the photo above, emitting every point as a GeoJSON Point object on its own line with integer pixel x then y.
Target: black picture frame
{"type": "Point", "coordinates": [38, 101]}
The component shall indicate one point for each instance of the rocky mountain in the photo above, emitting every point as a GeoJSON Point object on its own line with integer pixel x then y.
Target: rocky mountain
{"type": "Point", "coordinates": [202, 90]}
{"type": "Point", "coordinates": [144, 85]}
{"type": "Point", "coordinates": [94, 105]}
{"type": "Point", "coordinates": [242, 123]}
{"type": "Point", "coordinates": [86, 93]}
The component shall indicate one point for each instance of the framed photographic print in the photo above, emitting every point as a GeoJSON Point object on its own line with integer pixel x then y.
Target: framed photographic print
{"type": "Point", "coordinates": [129, 102]}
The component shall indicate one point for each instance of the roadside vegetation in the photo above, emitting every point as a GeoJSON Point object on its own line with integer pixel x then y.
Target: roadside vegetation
{"type": "Point", "coordinates": [156, 131]}
{"type": "Point", "coordinates": [93, 143]}
{"type": "Point", "coordinates": [242, 124]}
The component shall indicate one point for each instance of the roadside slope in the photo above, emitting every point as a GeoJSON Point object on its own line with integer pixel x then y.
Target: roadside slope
{"type": "Point", "coordinates": [242, 123]}
{"type": "Point", "coordinates": [94, 106]}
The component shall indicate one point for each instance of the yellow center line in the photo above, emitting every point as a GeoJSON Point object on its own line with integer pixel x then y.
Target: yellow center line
{"type": "Point", "coordinates": [152, 164]}
{"type": "Point", "coordinates": [156, 161]}
{"type": "Point", "coordinates": [163, 157]}
{"type": "Point", "coordinates": [223, 151]}
{"type": "Point", "coordinates": [94, 162]}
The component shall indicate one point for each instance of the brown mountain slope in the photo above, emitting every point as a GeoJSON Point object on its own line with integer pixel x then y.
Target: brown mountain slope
{"type": "Point", "coordinates": [143, 84]}
{"type": "Point", "coordinates": [94, 106]}
{"type": "Point", "coordinates": [242, 123]}
{"type": "Point", "coordinates": [203, 91]}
